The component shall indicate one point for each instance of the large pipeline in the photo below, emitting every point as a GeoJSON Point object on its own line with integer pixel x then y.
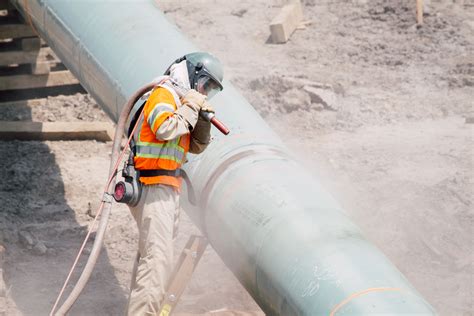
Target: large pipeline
{"type": "Point", "coordinates": [283, 236]}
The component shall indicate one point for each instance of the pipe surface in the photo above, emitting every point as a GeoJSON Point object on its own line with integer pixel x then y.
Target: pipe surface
{"type": "Point", "coordinates": [283, 236]}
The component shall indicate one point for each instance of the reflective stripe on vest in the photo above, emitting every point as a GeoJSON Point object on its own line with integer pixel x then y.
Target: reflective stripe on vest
{"type": "Point", "coordinates": [159, 109]}
{"type": "Point", "coordinates": [167, 150]}
{"type": "Point", "coordinates": [152, 153]}
{"type": "Point", "coordinates": [142, 101]}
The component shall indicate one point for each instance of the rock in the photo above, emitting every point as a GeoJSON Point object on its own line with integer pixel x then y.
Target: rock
{"type": "Point", "coordinates": [469, 120]}
{"type": "Point", "coordinates": [326, 97]}
{"type": "Point", "coordinates": [426, 7]}
{"type": "Point", "coordinates": [92, 208]}
{"type": "Point", "coordinates": [9, 236]}
{"type": "Point", "coordinates": [256, 84]}
{"type": "Point", "coordinates": [295, 99]}
{"type": "Point", "coordinates": [339, 89]}
{"type": "Point", "coordinates": [51, 252]}
{"type": "Point", "coordinates": [26, 239]}
{"type": "Point", "coordinates": [470, 23]}
{"type": "Point", "coordinates": [302, 82]}
{"type": "Point", "coordinates": [40, 248]}
{"type": "Point", "coordinates": [317, 106]}
{"type": "Point", "coordinates": [239, 13]}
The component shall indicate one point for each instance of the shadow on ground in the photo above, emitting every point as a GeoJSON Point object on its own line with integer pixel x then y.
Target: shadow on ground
{"type": "Point", "coordinates": [42, 235]}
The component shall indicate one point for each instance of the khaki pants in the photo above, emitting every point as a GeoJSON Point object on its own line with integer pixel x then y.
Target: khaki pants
{"type": "Point", "coordinates": [157, 217]}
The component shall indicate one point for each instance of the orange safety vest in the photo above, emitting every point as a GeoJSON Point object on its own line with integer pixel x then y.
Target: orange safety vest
{"type": "Point", "coordinates": [152, 153]}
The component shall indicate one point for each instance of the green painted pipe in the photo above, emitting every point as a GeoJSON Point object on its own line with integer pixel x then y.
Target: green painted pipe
{"type": "Point", "coordinates": [284, 237]}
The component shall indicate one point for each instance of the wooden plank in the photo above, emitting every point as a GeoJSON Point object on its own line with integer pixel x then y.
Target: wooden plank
{"type": "Point", "coordinates": [17, 57]}
{"type": "Point", "coordinates": [183, 271]}
{"type": "Point", "coordinates": [286, 22]}
{"type": "Point", "coordinates": [23, 130]}
{"type": "Point", "coordinates": [24, 57]}
{"type": "Point", "coordinates": [5, 5]}
{"type": "Point", "coordinates": [15, 30]}
{"type": "Point", "coordinates": [53, 79]}
{"type": "Point", "coordinates": [31, 43]}
{"type": "Point", "coordinates": [40, 68]}
{"type": "Point", "coordinates": [23, 103]}
{"type": "Point", "coordinates": [51, 55]}
{"type": "Point", "coordinates": [419, 12]}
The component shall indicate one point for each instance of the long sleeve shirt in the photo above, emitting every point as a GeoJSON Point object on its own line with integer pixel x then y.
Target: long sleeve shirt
{"type": "Point", "coordinates": [168, 121]}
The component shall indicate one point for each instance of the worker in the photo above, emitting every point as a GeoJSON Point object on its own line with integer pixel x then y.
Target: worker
{"type": "Point", "coordinates": [171, 127]}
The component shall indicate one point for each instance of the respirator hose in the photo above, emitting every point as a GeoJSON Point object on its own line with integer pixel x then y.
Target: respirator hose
{"type": "Point", "coordinates": [91, 261]}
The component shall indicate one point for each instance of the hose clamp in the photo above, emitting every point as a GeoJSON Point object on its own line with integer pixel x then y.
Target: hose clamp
{"type": "Point", "coordinates": [107, 198]}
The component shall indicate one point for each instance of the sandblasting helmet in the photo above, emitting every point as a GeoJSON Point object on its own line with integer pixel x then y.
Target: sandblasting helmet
{"type": "Point", "coordinates": [205, 72]}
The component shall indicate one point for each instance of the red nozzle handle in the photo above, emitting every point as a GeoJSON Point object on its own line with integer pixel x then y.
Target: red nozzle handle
{"type": "Point", "coordinates": [211, 117]}
{"type": "Point", "coordinates": [220, 126]}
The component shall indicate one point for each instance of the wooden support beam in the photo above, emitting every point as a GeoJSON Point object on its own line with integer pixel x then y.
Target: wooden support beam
{"type": "Point", "coordinates": [40, 68]}
{"type": "Point", "coordinates": [26, 57]}
{"type": "Point", "coordinates": [22, 103]}
{"type": "Point", "coordinates": [5, 5]}
{"type": "Point", "coordinates": [15, 30]}
{"type": "Point", "coordinates": [17, 57]}
{"type": "Point", "coordinates": [286, 22]}
{"type": "Point", "coordinates": [183, 271]}
{"type": "Point", "coordinates": [31, 43]}
{"type": "Point", "coordinates": [419, 12]}
{"type": "Point", "coordinates": [25, 130]}
{"type": "Point", "coordinates": [53, 79]}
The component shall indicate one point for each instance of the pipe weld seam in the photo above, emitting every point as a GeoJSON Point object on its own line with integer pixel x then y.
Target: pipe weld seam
{"type": "Point", "coordinates": [361, 293]}
{"type": "Point", "coordinates": [205, 193]}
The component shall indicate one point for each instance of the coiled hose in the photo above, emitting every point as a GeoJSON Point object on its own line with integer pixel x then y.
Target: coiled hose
{"type": "Point", "coordinates": [108, 191]}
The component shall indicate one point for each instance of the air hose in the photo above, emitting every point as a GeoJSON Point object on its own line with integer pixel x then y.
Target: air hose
{"type": "Point", "coordinates": [105, 206]}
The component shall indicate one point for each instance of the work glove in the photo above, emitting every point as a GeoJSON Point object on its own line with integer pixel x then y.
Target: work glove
{"type": "Point", "coordinates": [202, 131]}
{"type": "Point", "coordinates": [206, 107]}
{"type": "Point", "coordinates": [191, 105]}
{"type": "Point", "coordinates": [200, 136]}
{"type": "Point", "coordinates": [192, 96]}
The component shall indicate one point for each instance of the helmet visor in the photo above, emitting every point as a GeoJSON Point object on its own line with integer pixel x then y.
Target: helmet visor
{"type": "Point", "coordinates": [208, 86]}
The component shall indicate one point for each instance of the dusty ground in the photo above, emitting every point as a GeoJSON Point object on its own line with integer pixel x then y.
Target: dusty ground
{"type": "Point", "coordinates": [376, 106]}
